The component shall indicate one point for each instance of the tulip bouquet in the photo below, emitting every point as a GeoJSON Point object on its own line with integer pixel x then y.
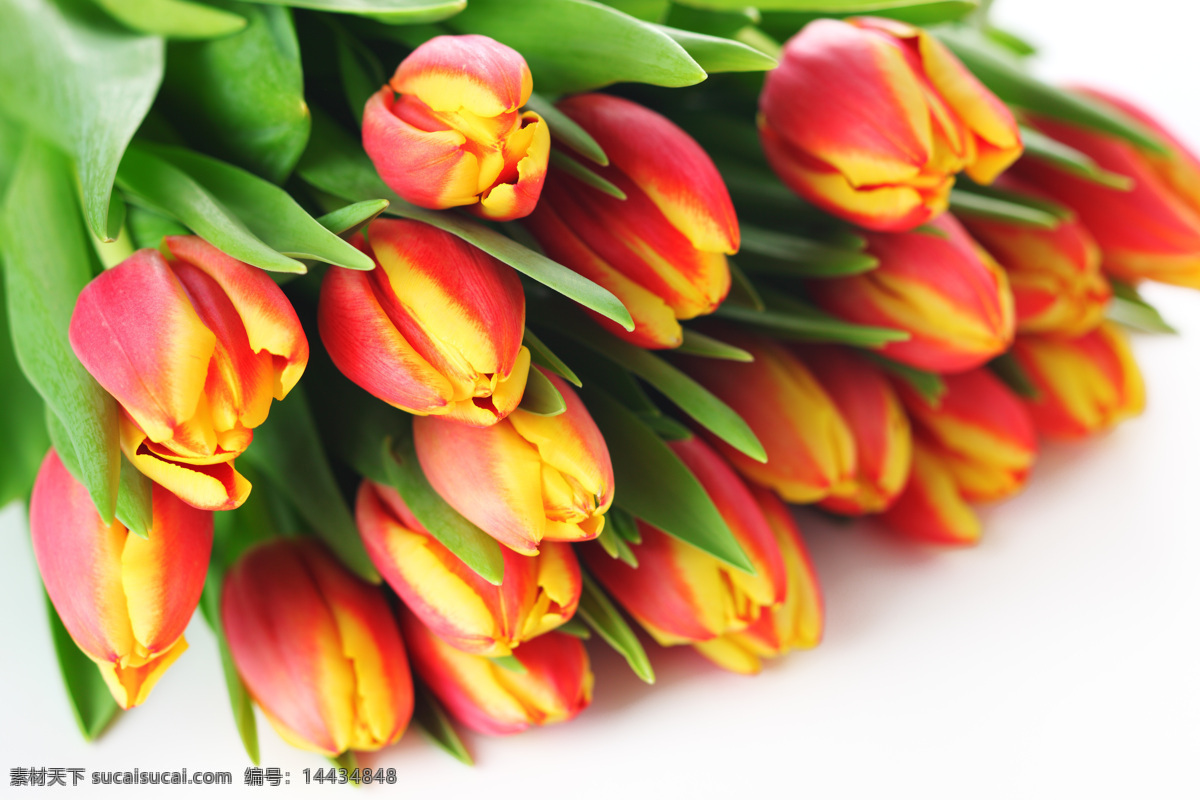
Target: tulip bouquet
{"type": "Point", "coordinates": [403, 339]}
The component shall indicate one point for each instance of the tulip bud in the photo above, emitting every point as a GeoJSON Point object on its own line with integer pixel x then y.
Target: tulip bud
{"type": "Point", "coordinates": [1148, 231]}
{"type": "Point", "coordinates": [525, 479]}
{"type": "Point", "coordinates": [125, 600]}
{"type": "Point", "coordinates": [871, 119]}
{"type": "Point", "coordinates": [1054, 274]}
{"type": "Point", "coordinates": [435, 328]}
{"type": "Point", "coordinates": [982, 431]}
{"type": "Point", "coordinates": [949, 295]}
{"type": "Point", "coordinates": [193, 349]}
{"type": "Point", "coordinates": [682, 595]}
{"type": "Point", "coordinates": [448, 131]}
{"type": "Point", "coordinates": [1085, 385]}
{"type": "Point", "coordinates": [662, 249]}
{"type": "Point", "coordinates": [317, 648]}
{"type": "Point", "coordinates": [877, 423]}
{"type": "Point", "coordinates": [555, 686]}
{"type": "Point", "coordinates": [795, 624]}
{"type": "Point", "coordinates": [931, 508]}
{"type": "Point", "coordinates": [538, 593]}
{"type": "Point", "coordinates": [810, 450]}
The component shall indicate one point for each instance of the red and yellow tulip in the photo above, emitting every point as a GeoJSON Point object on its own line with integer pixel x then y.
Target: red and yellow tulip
{"type": "Point", "coordinates": [1150, 231]}
{"type": "Point", "coordinates": [554, 686]}
{"type": "Point", "coordinates": [682, 595]}
{"type": "Point", "coordinates": [795, 624]}
{"type": "Point", "coordinates": [871, 119]}
{"type": "Point", "coordinates": [878, 425]}
{"type": "Point", "coordinates": [448, 130]}
{"type": "Point", "coordinates": [950, 296]}
{"type": "Point", "coordinates": [538, 593]}
{"type": "Point", "coordinates": [1085, 385]}
{"type": "Point", "coordinates": [317, 648]}
{"type": "Point", "coordinates": [193, 348]}
{"type": "Point", "coordinates": [125, 600]}
{"type": "Point", "coordinates": [1055, 275]}
{"type": "Point", "coordinates": [810, 448]}
{"type": "Point", "coordinates": [931, 508]}
{"type": "Point", "coordinates": [982, 430]}
{"type": "Point", "coordinates": [662, 249]}
{"type": "Point", "coordinates": [526, 479]}
{"type": "Point", "coordinates": [435, 328]}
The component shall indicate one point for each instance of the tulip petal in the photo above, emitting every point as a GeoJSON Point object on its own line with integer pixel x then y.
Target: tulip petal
{"type": "Point", "coordinates": [473, 73]}
{"type": "Point", "coordinates": [931, 509]}
{"type": "Point", "coordinates": [213, 487]}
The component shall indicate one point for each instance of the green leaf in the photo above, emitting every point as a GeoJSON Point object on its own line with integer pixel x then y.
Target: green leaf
{"type": "Point", "coordinates": [713, 22]}
{"type": "Point", "coordinates": [927, 384]}
{"type": "Point", "coordinates": [598, 611]}
{"type": "Point", "coordinates": [996, 70]}
{"type": "Point", "coordinates": [692, 398]}
{"type": "Point", "coordinates": [175, 19]}
{"type": "Point", "coordinates": [267, 211]}
{"type": "Point", "coordinates": [973, 204]}
{"type": "Point", "coordinates": [134, 501]}
{"type": "Point", "coordinates": [433, 722]}
{"type": "Point", "coordinates": [1040, 146]}
{"type": "Point", "coordinates": [461, 537]}
{"type": "Point", "coordinates": [798, 13]}
{"type": "Point", "coordinates": [161, 187]}
{"type": "Point", "coordinates": [348, 220]}
{"type": "Point", "coordinates": [362, 74]}
{"type": "Point", "coordinates": [698, 344]}
{"type": "Point", "coordinates": [718, 54]}
{"type": "Point", "coordinates": [810, 325]}
{"type": "Point", "coordinates": [795, 256]}
{"type": "Point", "coordinates": [509, 663]}
{"type": "Point", "coordinates": [655, 486]}
{"type": "Point", "coordinates": [392, 12]}
{"type": "Point", "coordinates": [577, 45]}
{"type": "Point", "coordinates": [576, 628]}
{"type": "Point", "coordinates": [147, 228]}
{"type": "Point", "coordinates": [567, 131]}
{"type": "Point", "coordinates": [1006, 367]}
{"type": "Point", "coordinates": [91, 701]}
{"type": "Point", "coordinates": [338, 166]}
{"type": "Point", "coordinates": [239, 698]}
{"type": "Point", "coordinates": [241, 98]}
{"type": "Point", "coordinates": [616, 547]}
{"type": "Point", "coordinates": [1129, 308]}
{"type": "Point", "coordinates": [742, 291]}
{"type": "Point", "coordinates": [287, 450]}
{"type": "Point", "coordinates": [572, 167]}
{"type": "Point", "coordinates": [542, 355]}
{"type": "Point", "coordinates": [541, 397]}
{"type": "Point", "coordinates": [47, 262]}
{"type": "Point", "coordinates": [624, 525]}
{"type": "Point", "coordinates": [82, 81]}
{"type": "Point", "coordinates": [21, 427]}
{"type": "Point", "coordinates": [1010, 41]}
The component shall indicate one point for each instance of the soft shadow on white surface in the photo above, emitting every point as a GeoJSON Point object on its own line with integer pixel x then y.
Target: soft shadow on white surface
{"type": "Point", "coordinates": [1060, 658]}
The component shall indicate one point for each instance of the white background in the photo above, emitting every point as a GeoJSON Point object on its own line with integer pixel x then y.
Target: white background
{"type": "Point", "coordinates": [1060, 658]}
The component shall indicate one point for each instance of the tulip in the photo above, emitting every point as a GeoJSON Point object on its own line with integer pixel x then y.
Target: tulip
{"type": "Point", "coordinates": [982, 430]}
{"type": "Point", "coordinates": [682, 595]}
{"type": "Point", "coordinates": [525, 479]}
{"type": "Point", "coordinates": [810, 449]}
{"type": "Point", "coordinates": [662, 249]}
{"type": "Point", "coordinates": [1085, 385]}
{"type": "Point", "coordinates": [877, 422]}
{"type": "Point", "coordinates": [949, 295]}
{"type": "Point", "coordinates": [554, 686]}
{"type": "Point", "coordinates": [932, 508]}
{"type": "Point", "coordinates": [795, 624]}
{"type": "Point", "coordinates": [435, 328]}
{"type": "Point", "coordinates": [125, 600]}
{"type": "Point", "coordinates": [194, 349]}
{"type": "Point", "coordinates": [538, 593]}
{"type": "Point", "coordinates": [448, 130]}
{"type": "Point", "coordinates": [1054, 274]}
{"type": "Point", "coordinates": [317, 648]}
{"type": "Point", "coordinates": [1149, 231]}
{"type": "Point", "coordinates": [871, 119]}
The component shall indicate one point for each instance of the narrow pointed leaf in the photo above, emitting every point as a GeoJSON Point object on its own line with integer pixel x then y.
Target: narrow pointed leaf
{"type": "Point", "coordinates": [541, 397]}
{"type": "Point", "coordinates": [577, 170]}
{"type": "Point", "coordinates": [698, 344]}
{"type": "Point", "coordinates": [742, 291]}
{"type": "Point", "coordinates": [1006, 367]}
{"type": "Point", "coordinates": [1129, 308]}
{"type": "Point", "coordinates": [161, 187]}
{"type": "Point", "coordinates": [1040, 146]}
{"type": "Point", "coordinates": [655, 486]}
{"type": "Point", "coordinates": [239, 698]}
{"type": "Point", "coordinates": [174, 19]}
{"type": "Point", "coordinates": [392, 12]}
{"type": "Point", "coordinates": [362, 74]}
{"type": "Point", "coordinates": [575, 627]}
{"type": "Point", "coordinates": [91, 702]}
{"type": "Point", "coordinates": [544, 356]}
{"type": "Point", "coordinates": [718, 54]}
{"type": "Point", "coordinates": [436, 725]}
{"type": "Point", "coordinates": [797, 13]}
{"type": "Point", "coordinates": [21, 428]}
{"type": "Point", "coordinates": [47, 261]}
{"type": "Point", "coordinates": [774, 253]}
{"type": "Point", "coordinates": [811, 325]}
{"type": "Point", "coordinates": [567, 131]}
{"type": "Point", "coordinates": [147, 228]}
{"type": "Point", "coordinates": [598, 611]}
{"type": "Point", "coordinates": [927, 384]}
{"type": "Point", "coordinates": [347, 220]}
